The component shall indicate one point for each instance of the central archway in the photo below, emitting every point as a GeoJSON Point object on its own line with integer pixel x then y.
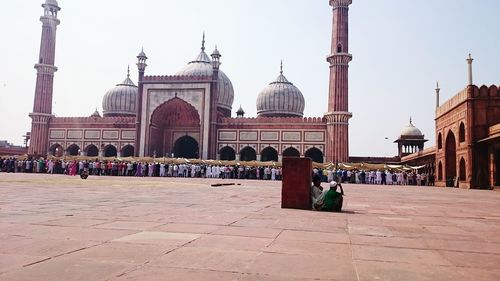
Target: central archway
{"type": "Point", "coordinates": [451, 156]}
{"type": "Point", "coordinates": [186, 147]}
{"type": "Point", "coordinates": [170, 119]}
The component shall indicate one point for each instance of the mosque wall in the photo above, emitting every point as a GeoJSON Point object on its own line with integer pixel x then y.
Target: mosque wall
{"type": "Point", "coordinates": [280, 134]}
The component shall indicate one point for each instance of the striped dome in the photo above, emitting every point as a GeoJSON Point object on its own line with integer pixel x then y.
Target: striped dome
{"type": "Point", "coordinates": [202, 66]}
{"type": "Point", "coordinates": [280, 99]}
{"type": "Point", "coordinates": [121, 100]}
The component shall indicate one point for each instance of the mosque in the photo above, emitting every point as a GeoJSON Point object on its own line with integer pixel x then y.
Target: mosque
{"type": "Point", "coordinates": [189, 114]}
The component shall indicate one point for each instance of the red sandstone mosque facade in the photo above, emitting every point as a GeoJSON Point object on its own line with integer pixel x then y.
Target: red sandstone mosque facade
{"type": "Point", "coordinates": [188, 114]}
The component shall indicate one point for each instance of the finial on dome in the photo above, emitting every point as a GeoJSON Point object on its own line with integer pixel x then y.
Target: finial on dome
{"type": "Point", "coordinates": [411, 121]}
{"type": "Point", "coordinates": [281, 67]}
{"type": "Point", "coordinates": [203, 43]}
{"type": "Point", "coordinates": [128, 71]}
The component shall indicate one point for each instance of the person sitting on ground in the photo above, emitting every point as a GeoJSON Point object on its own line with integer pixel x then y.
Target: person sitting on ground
{"type": "Point", "coordinates": [316, 190]}
{"type": "Point", "coordinates": [333, 200]}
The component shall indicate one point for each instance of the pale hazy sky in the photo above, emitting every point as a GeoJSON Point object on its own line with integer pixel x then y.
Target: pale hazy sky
{"type": "Point", "coordinates": [400, 49]}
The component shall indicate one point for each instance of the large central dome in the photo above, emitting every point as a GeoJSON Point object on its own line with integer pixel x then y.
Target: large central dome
{"type": "Point", "coordinates": [280, 99]}
{"type": "Point", "coordinates": [202, 66]}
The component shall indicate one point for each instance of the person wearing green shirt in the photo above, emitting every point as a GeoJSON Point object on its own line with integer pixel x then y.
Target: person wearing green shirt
{"type": "Point", "coordinates": [332, 201]}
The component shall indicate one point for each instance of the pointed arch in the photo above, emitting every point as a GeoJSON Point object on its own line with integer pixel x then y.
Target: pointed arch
{"type": "Point", "coordinates": [92, 150]}
{"type": "Point", "coordinates": [227, 153]}
{"type": "Point", "coordinates": [110, 151]}
{"type": "Point", "coordinates": [269, 154]}
{"type": "Point", "coordinates": [127, 151]}
{"type": "Point", "coordinates": [461, 132]}
{"type": "Point", "coordinates": [440, 171]}
{"type": "Point", "coordinates": [73, 150]}
{"type": "Point", "coordinates": [315, 154]}
{"type": "Point", "coordinates": [291, 152]}
{"type": "Point", "coordinates": [248, 154]}
{"type": "Point", "coordinates": [440, 141]}
{"type": "Point", "coordinates": [461, 170]}
{"type": "Point", "coordinates": [56, 150]}
{"type": "Point", "coordinates": [451, 156]}
{"type": "Point", "coordinates": [186, 147]}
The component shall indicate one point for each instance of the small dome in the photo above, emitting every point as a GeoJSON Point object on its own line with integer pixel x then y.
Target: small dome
{"type": "Point", "coordinates": [202, 66]}
{"type": "Point", "coordinates": [96, 113]}
{"type": "Point", "coordinates": [411, 130]}
{"type": "Point", "coordinates": [280, 99]}
{"type": "Point", "coordinates": [121, 100]}
{"type": "Point", "coordinates": [51, 3]}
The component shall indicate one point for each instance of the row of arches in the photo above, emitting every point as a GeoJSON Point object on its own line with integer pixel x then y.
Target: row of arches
{"type": "Point", "coordinates": [268, 154]}
{"type": "Point", "coordinates": [449, 171]}
{"type": "Point", "coordinates": [91, 150]}
{"type": "Point", "coordinates": [461, 135]}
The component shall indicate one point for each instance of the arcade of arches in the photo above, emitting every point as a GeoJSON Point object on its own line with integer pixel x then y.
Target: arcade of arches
{"type": "Point", "coordinates": [174, 116]}
{"type": "Point", "coordinates": [268, 154]}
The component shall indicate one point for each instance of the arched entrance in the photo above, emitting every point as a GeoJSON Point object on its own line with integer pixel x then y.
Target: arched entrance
{"type": "Point", "coordinates": [291, 152]}
{"type": "Point", "coordinates": [462, 170]}
{"type": "Point", "coordinates": [110, 151]}
{"type": "Point", "coordinates": [269, 154]}
{"type": "Point", "coordinates": [73, 150]}
{"type": "Point", "coordinates": [451, 156]}
{"type": "Point", "coordinates": [56, 150]}
{"type": "Point", "coordinates": [227, 153]}
{"type": "Point", "coordinates": [440, 171]}
{"type": "Point", "coordinates": [186, 147]}
{"type": "Point", "coordinates": [315, 154]}
{"type": "Point", "coordinates": [92, 150]}
{"type": "Point", "coordinates": [248, 154]}
{"type": "Point", "coordinates": [168, 120]}
{"type": "Point", "coordinates": [127, 151]}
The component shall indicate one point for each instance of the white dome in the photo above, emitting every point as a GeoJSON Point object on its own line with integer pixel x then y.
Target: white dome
{"type": "Point", "coordinates": [280, 99]}
{"type": "Point", "coordinates": [202, 66]}
{"type": "Point", "coordinates": [411, 130]}
{"type": "Point", "coordinates": [121, 100]}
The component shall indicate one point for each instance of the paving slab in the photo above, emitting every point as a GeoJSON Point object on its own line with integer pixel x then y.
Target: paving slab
{"type": "Point", "coordinates": [55, 227]}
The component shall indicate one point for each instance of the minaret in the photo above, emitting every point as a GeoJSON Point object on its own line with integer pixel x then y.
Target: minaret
{"type": "Point", "coordinates": [214, 92]}
{"type": "Point", "coordinates": [469, 62]}
{"type": "Point", "coordinates": [437, 94]}
{"type": "Point", "coordinates": [42, 108]}
{"type": "Point", "coordinates": [141, 67]}
{"type": "Point", "coordinates": [337, 145]}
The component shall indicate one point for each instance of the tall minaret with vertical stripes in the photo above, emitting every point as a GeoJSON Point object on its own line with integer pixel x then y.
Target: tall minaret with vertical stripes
{"type": "Point", "coordinates": [42, 108]}
{"type": "Point", "coordinates": [337, 145]}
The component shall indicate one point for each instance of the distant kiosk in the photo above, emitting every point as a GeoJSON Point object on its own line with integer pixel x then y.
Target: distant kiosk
{"type": "Point", "coordinates": [296, 183]}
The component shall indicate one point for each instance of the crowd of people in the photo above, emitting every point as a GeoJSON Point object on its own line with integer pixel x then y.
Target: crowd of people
{"type": "Point", "coordinates": [158, 169]}
{"type": "Point", "coordinates": [379, 177]}
{"type": "Point", "coordinates": [138, 169]}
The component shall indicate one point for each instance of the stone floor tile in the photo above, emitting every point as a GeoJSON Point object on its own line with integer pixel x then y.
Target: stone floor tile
{"type": "Point", "coordinates": [207, 259]}
{"type": "Point", "coordinates": [226, 242]}
{"type": "Point", "coordinates": [187, 228]}
{"type": "Point", "coordinates": [151, 273]}
{"type": "Point", "coordinates": [298, 266]}
{"type": "Point", "coordinates": [248, 231]}
{"type": "Point", "coordinates": [398, 255]}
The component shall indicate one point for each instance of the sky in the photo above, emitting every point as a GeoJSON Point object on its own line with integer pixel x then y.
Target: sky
{"type": "Point", "coordinates": [400, 50]}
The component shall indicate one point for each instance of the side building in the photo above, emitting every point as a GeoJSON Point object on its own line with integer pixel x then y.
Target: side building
{"type": "Point", "coordinates": [467, 151]}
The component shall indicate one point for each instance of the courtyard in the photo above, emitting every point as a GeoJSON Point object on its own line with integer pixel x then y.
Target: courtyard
{"type": "Point", "coordinates": [109, 228]}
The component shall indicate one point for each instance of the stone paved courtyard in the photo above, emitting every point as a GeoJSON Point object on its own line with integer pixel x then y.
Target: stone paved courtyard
{"type": "Point", "coordinates": [63, 228]}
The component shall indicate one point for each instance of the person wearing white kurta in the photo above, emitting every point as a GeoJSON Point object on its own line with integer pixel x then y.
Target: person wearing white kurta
{"type": "Point", "coordinates": [389, 178]}
{"type": "Point", "coordinates": [273, 174]}
{"type": "Point", "coordinates": [378, 179]}
{"type": "Point", "coordinates": [162, 169]}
